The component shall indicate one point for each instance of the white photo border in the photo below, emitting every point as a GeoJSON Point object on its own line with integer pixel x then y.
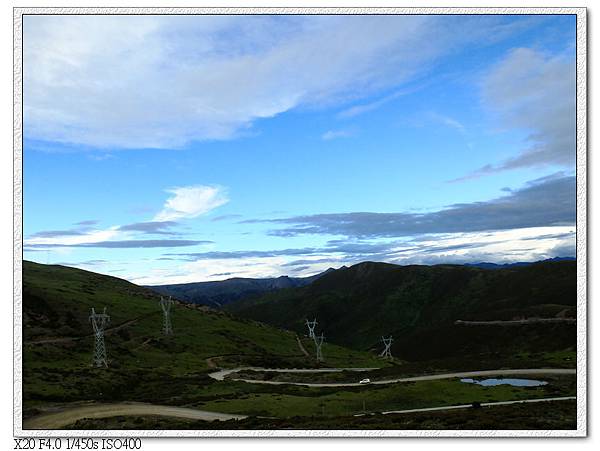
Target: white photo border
{"type": "Point", "coordinates": [582, 288]}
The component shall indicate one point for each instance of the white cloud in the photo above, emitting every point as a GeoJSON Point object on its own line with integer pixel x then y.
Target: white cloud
{"type": "Point", "coordinates": [164, 81]}
{"type": "Point", "coordinates": [533, 92]}
{"type": "Point", "coordinates": [185, 202]}
{"type": "Point", "coordinates": [92, 236]}
{"type": "Point", "coordinates": [357, 110]}
{"type": "Point", "coordinates": [505, 246]}
{"type": "Point", "coordinates": [448, 121]}
{"type": "Point", "coordinates": [191, 201]}
{"type": "Point", "coordinates": [212, 269]}
{"type": "Point", "coordinates": [334, 134]}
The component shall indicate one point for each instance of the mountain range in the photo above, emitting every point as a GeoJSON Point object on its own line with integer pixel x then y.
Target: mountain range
{"type": "Point", "coordinates": [424, 308]}
{"type": "Point", "coordinates": [223, 292]}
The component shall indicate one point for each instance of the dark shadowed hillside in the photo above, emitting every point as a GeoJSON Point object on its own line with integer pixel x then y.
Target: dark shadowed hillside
{"type": "Point", "coordinates": [419, 305]}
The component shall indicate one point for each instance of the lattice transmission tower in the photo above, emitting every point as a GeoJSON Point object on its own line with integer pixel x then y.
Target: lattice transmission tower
{"type": "Point", "coordinates": [318, 344]}
{"type": "Point", "coordinates": [166, 304]}
{"type": "Point", "coordinates": [99, 322]}
{"type": "Point", "coordinates": [311, 328]}
{"type": "Point", "coordinates": [387, 352]}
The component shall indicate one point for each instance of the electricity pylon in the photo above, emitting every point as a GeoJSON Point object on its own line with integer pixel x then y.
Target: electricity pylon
{"type": "Point", "coordinates": [318, 343]}
{"type": "Point", "coordinates": [387, 353]}
{"type": "Point", "coordinates": [311, 328]}
{"type": "Point", "coordinates": [166, 304]}
{"type": "Point", "coordinates": [99, 322]}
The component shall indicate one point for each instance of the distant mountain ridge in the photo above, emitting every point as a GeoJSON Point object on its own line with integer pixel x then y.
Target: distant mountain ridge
{"type": "Point", "coordinates": [488, 265]}
{"type": "Point", "coordinates": [223, 292]}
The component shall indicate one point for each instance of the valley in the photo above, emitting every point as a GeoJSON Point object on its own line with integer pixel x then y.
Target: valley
{"type": "Point", "coordinates": [229, 365]}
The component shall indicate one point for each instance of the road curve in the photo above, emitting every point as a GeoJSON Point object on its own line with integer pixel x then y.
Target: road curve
{"type": "Point", "coordinates": [220, 375]}
{"type": "Point", "coordinates": [466, 406]}
{"type": "Point", "coordinates": [69, 415]}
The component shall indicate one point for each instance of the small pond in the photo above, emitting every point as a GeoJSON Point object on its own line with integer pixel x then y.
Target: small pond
{"type": "Point", "coordinates": [513, 382]}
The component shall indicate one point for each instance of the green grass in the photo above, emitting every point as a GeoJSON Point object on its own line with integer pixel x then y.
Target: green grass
{"type": "Point", "coordinates": [541, 416]}
{"type": "Point", "coordinates": [408, 395]}
{"type": "Point", "coordinates": [564, 358]}
{"type": "Point", "coordinates": [56, 305]}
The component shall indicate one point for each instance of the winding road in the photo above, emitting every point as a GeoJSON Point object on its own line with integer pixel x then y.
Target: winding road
{"type": "Point", "coordinates": [220, 375]}
{"type": "Point", "coordinates": [58, 418]}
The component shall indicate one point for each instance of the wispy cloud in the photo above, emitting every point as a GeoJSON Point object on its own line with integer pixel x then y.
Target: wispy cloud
{"type": "Point", "coordinates": [225, 217]}
{"type": "Point", "coordinates": [67, 238]}
{"type": "Point", "coordinates": [357, 110]}
{"type": "Point", "coordinates": [234, 255]}
{"type": "Point", "coordinates": [96, 262]}
{"type": "Point", "coordinates": [56, 233]}
{"type": "Point", "coordinates": [191, 201]}
{"type": "Point", "coordinates": [334, 134]}
{"type": "Point", "coordinates": [88, 222]}
{"type": "Point", "coordinates": [448, 121]}
{"type": "Point", "coordinates": [310, 261]}
{"type": "Point", "coordinates": [122, 244]}
{"type": "Point", "coordinates": [151, 227]}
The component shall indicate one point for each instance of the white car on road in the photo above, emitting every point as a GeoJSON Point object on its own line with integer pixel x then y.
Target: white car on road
{"type": "Point", "coordinates": [365, 381]}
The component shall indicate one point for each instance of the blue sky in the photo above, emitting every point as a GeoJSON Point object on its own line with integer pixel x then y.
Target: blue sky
{"type": "Point", "coordinates": [167, 149]}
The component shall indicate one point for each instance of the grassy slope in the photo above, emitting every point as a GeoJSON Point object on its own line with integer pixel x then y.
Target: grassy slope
{"type": "Point", "coordinates": [419, 304]}
{"type": "Point", "coordinates": [56, 306]}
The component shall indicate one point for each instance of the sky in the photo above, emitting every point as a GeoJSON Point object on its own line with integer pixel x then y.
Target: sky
{"type": "Point", "coordinates": [174, 149]}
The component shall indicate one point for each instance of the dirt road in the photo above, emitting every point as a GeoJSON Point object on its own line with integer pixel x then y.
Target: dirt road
{"type": "Point", "coordinates": [515, 322]}
{"type": "Point", "coordinates": [301, 346]}
{"type": "Point", "coordinates": [61, 417]}
{"type": "Point", "coordinates": [466, 406]}
{"type": "Point", "coordinates": [69, 415]}
{"type": "Point", "coordinates": [219, 375]}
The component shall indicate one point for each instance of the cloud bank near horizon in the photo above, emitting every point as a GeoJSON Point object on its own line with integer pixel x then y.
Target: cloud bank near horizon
{"type": "Point", "coordinates": [542, 202]}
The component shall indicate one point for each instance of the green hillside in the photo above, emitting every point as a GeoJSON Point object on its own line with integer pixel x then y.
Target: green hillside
{"type": "Point", "coordinates": [419, 305]}
{"type": "Point", "coordinates": [147, 367]}
{"type": "Point", "coordinates": [144, 364]}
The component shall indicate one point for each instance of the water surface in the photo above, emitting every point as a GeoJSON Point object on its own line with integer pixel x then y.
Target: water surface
{"type": "Point", "coordinates": [513, 382]}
